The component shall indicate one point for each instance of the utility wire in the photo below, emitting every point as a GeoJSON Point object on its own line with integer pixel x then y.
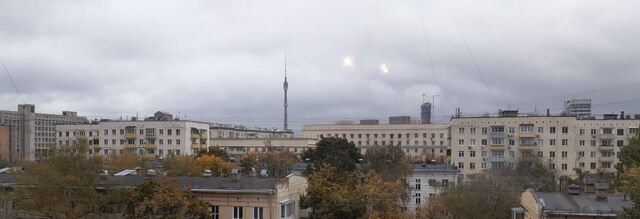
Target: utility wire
{"type": "Point", "coordinates": [12, 82]}
{"type": "Point", "coordinates": [473, 58]}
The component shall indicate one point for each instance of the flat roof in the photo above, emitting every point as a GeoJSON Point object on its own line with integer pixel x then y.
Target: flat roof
{"type": "Point", "coordinates": [584, 203]}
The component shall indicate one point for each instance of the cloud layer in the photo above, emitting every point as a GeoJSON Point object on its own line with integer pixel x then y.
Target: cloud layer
{"type": "Point", "coordinates": [223, 61]}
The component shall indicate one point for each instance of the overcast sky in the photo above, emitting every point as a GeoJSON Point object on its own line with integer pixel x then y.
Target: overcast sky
{"type": "Point", "coordinates": [223, 61]}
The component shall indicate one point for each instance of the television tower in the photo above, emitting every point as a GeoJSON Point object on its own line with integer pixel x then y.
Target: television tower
{"type": "Point", "coordinates": [285, 85]}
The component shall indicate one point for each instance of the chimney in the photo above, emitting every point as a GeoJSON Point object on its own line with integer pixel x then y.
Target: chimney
{"type": "Point", "coordinates": [139, 171]}
{"type": "Point", "coordinates": [207, 173]}
{"type": "Point", "coordinates": [548, 112]}
{"type": "Point", "coordinates": [589, 184]}
{"type": "Point", "coordinates": [602, 190]}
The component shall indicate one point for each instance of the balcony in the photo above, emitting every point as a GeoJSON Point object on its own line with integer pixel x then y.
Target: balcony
{"type": "Point", "coordinates": [81, 137]}
{"type": "Point", "coordinates": [128, 146]}
{"type": "Point", "coordinates": [530, 158]}
{"type": "Point", "coordinates": [496, 134]}
{"type": "Point", "coordinates": [150, 146]}
{"type": "Point", "coordinates": [150, 136]}
{"type": "Point", "coordinates": [195, 136]}
{"type": "Point", "coordinates": [496, 159]}
{"type": "Point", "coordinates": [527, 135]}
{"type": "Point", "coordinates": [606, 147]}
{"type": "Point", "coordinates": [606, 136]}
{"type": "Point", "coordinates": [527, 147]}
{"type": "Point", "coordinates": [204, 136]}
{"type": "Point", "coordinates": [130, 135]}
{"type": "Point", "coordinates": [607, 159]}
{"type": "Point", "coordinates": [196, 146]}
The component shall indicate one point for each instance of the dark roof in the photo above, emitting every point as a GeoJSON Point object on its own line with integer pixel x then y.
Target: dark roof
{"type": "Point", "coordinates": [435, 167]}
{"type": "Point", "coordinates": [584, 203]}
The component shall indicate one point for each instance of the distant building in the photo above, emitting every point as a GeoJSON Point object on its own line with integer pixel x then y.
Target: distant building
{"type": "Point", "coordinates": [396, 120]}
{"type": "Point", "coordinates": [425, 113]}
{"type": "Point", "coordinates": [34, 132]}
{"type": "Point", "coordinates": [369, 122]}
{"type": "Point", "coordinates": [428, 141]}
{"type": "Point", "coordinates": [561, 143]}
{"type": "Point", "coordinates": [238, 131]}
{"type": "Point", "coordinates": [237, 147]}
{"type": "Point", "coordinates": [154, 137]}
{"type": "Point", "coordinates": [426, 181]}
{"type": "Point", "coordinates": [7, 142]}
{"type": "Point", "coordinates": [578, 107]}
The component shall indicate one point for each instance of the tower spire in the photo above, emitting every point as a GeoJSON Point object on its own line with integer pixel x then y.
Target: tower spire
{"type": "Point", "coordinates": [285, 85]}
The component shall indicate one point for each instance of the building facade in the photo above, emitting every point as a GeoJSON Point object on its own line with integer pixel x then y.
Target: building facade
{"type": "Point", "coordinates": [419, 141]}
{"type": "Point", "coordinates": [428, 180]}
{"type": "Point", "coordinates": [224, 131]}
{"type": "Point", "coordinates": [150, 137]}
{"type": "Point", "coordinates": [562, 143]}
{"type": "Point", "coordinates": [425, 113]}
{"type": "Point", "coordinates": [578, 107]}
{"type": "Point", "coordinates": [35, 132]}
{"type": "Point", "coordinates": [7, 141]}
{"type": "Point", "coordinates": [236, 147]}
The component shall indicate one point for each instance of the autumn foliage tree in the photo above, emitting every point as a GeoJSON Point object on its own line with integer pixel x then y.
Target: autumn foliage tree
{"type": "Point", "coordinates": [195, 166]}
{"type": "Point", "coordinates": [277, 164]}
{"type": "Point", "coordinates": [164, 199]}
{"type": "Point", "coordinates": [337, 152]}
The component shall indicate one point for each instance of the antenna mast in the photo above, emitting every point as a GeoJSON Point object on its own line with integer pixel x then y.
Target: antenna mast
{"type": "Point", "coordinates": [285, 85]}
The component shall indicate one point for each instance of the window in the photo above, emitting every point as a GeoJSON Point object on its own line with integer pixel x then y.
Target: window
{"type": "Point", "coordinates": [565, 142]}
{"type": "Point", "coordinates": [497, 141]}
{"type": "Point", "coordinates": [106, 132]}
{"type": "Point", "coordinates": [552, 142]}
{"type": "Point", "coordinates": [552, 166]}
{"type": "Point", "coordinates": [460, 153]}
{"type": "Point", "coordinates": [461, 165]}
{"type": "Point", "coordinates": [461, 130]}
{"type": "Point", "coordinates": [633, 130]}
{"type": "Point", "coordinates": [472, 131]}
{"type": "Point", "coordinates": [178, 141]}
{"type": "Point", "coordinates": [215, 212]}
{"type": "Point", "coordinates": [592, 165]}
{"type": "Point", "coordinates": [564, 166]}
{"type": "Point", "coordinates": [418, 198]}
{"type": "Point", "coordinates": [418, 184]}
{"type": "Point", "coordinates": [620, 131]}
{"type": "Point", "coordinates": [286, 210]}
{"type": "Point", "coordinates": [460, 142]}
{"type": "Point", "coordinates": [593, 143]}
{"type": "Point", "coordinates": [483, 142]}
{"type": "Point", "coordinates": [484, 153]}
{"type": "Point", "coordinates": [512, 130]}
{"type": "Point", "coordinates": [258, 213]}
{"type": "Point", "coordinates": [552, 154]}
{"type": "Point", "coordinates": [113, 131]}
{"type": "Point", "coordinates": [565, 130]}
{"type": "Point", "coordinates": [483, 165]}
{"type": "Point", "coordinates": [484, 130]}
{"type": "Point", "coordinates": [593, 154]}
{"type": "Point", "coordinates": [552, 130]}
{"type": "Point", "coordinates": [581, 142]}
{"type": "Point", "coordinates": [540, 130]}
{"type": "Point", "coordinates": [238, 212]}
{"type": "Point", "coordinates": [177, 131]}
{"type": "Point", "coordinates": [169, 131]}
{"type": "Point", "coordinates": [564, 154]}
{"type": "Point", "coordinates": [472, 153]}
{"type": "Point", "coordinates": [472, 166]}
{"type": "Point", "coordinates": [582, 131]}
{"type": "Point", "coordinates": [472, 142]}
{"type": "Point", "coordinates": [620, 143]}
{"type": "Point", "coordinates": [512, 142]}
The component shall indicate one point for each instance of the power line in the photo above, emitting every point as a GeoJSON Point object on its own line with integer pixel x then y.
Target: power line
{"type": "Point", "coordinates": [473, 58]}
{"type": "Point", "coordinates": [12, 82]}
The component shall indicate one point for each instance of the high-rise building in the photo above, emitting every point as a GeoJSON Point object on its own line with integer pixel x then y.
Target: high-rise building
{"type": "Point", "coordinates": [578, 107]}
{"type": "Point", "coordinates": [425, 113]}
{"type": "Point", "coordinates": [35, 132]}
{"type": "Point", "coordinates": [561, 143]}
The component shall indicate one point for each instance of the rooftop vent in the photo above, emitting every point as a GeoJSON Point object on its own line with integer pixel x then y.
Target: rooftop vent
{"type": "Point", "coordinates": [207, 173]}
{"type": "Point", "coordinates": [263, 173]}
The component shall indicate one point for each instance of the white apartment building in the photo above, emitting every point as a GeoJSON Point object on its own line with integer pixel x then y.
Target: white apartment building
{"type": "Point", "coordinates": [150, 137]}
{"type": "Point", "coordinates": [219, 131]}
{"type": "Point", "coordinates": [35, 132]}
{"type": "Point", "coordinates": [428, 180]}
{"type": "Point", "coordinates": [562, 143]}
{"type": "Point", "coordinates": [417, 140]}
{"type": "Point", "coordinates": [236, 147]}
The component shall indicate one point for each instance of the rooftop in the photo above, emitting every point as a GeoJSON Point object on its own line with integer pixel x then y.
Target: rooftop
{"type": "Point", "coordinates": [435, 167]}
{"type": "Point", "coordinates": [584, 203]}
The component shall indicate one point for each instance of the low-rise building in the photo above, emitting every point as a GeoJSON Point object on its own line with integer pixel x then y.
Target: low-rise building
{"type": "Point", "coordinates": [237, 147]}
{"type": "Point", "coordinates": [146, 137]}
{"type": "Point", "coordinates": [570, 205]}
{"type": "Point", "coordinates": [428, 180]}
{"type": "Point", "coordinates": [419, 141]}
{"type": "Point", "coordinates": [224, 131]}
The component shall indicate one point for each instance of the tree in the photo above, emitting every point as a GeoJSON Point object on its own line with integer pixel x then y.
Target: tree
{"type": "Point", "coordinates": [182, 166]}
{"type": "Point", "coordinates": [628, 178]}
{"type": "Point", "coordinates": [64, 186]}
{"type": "Point", "coordinates": [214, 151]}
{"type": "Point", "coordinates": [164, 199]}
{"type": "Point", "coordinates": [388, 161]}
{"type": "Point", "coordinates": [115, 163]}
{"type": "Point", "coordinates": [351, 194]}
{"type": "Point", "coordinates": [629, 155]}
{"type": "Point", "coordinates": [215, 164]}
{"type": "Point", "coordinates": [277, 164]}
{"type": "Point", "coordinates": [494, 192]}
{"type": "Point", "coordinates": [532, 174]}
{"type": "Point", "coordinates": [337, 152]}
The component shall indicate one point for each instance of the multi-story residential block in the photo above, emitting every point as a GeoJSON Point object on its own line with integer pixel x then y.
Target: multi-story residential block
{"type": "Point", "coordinates": [428, 180]}
{"type": "Point", "coordinates": [563, 143]}
{"type": "Point", "coordinates": [236, 147]}
{"type": "Point", "coordinates": [223, 131]}
{"type": "Point", "coordinates": [35, 132]}
{"type": "Point", "coordinates": [147, 137]}
{"type": "Point", "coordinates": [417, 140]}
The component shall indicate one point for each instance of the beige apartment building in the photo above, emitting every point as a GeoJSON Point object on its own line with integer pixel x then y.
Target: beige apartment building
{"type": "Point", "coordinates": [224, 131]}
{"type": "Point", "coordinates": [417, 140]}
{"type": "Point", "coordinates": [153, 136]}
{"type": "Point", "coordinates": [562, 143]}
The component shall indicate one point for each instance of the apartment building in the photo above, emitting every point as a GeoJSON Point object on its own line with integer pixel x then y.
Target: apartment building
{"type": "Point", "coordinates": [34, 132]}
{"type": "Point", "coordinates": [236, 147]}
{"type": "Point", "coordinates": [225, 131]}
{"type": "Point", "coordinates": [562, 143]}
{"type": "Point", "coordinates": [426, 181]}
{"type": "Point", "coordinates": [417, 140]}
{"type": "Point", "coordinates": [147, 137]}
